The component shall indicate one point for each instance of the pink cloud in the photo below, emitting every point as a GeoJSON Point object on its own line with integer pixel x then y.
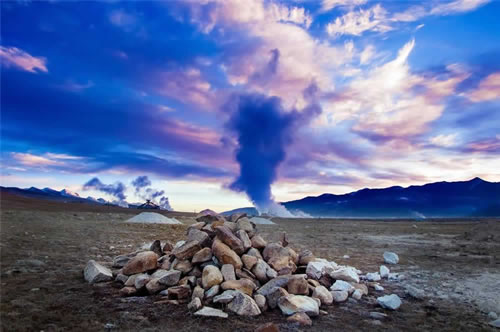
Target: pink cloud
{"type": "Point", "coordinates": [13, 56]}
{"type": "Point", "coordinates": [488, 89]}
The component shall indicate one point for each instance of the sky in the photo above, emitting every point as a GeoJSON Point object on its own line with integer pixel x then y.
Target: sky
{"type": "Point", "coordinates": [221, 103]}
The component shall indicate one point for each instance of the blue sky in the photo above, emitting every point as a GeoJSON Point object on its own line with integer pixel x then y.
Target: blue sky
{"type": "Point", "coordinates": [403, 93]}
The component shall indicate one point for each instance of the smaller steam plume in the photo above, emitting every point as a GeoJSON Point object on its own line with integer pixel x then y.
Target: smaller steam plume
{"type": "Point", "coordinates": [143, 189]}
{"type": "Point", "coordinates": [117, 190]}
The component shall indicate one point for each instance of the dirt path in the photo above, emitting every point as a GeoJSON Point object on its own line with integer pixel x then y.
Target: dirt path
{"type": "Point", "coordinates": [43, 253]}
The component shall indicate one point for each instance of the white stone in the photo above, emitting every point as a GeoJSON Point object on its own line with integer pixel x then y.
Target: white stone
{"type": "Point", "coordinates": [384, 271]}
{"type": "Point", "coordinates": [292, 304]}
{"type": "Point", "coordinates": [378, 288]}
{"type": "Point", "coordinates": [322, 293]}
{"type": "Point", "coordinates": [374, 276]}
{"type": "Point", "coordinates": [346, 257]}
{"type": "Point", "coordinates": [492, 315]}
{"type": "Point", "coordinates": [95, 272]}
{"type": "Point", "coordinates": [495, 323]}
{"type": "Point", "coordinates": [179, 244]}
{"type": "Point", "coordinates": [357, 294]}
{"type": "Point", "coordinates": [390, 257]}
{"type": "Point", "coordinates": [377, 315]}
{"type": "Point", "coordinates": [195, 304]}
{"type": "Point", "coordinates": [345, 273]}
{"type": "Point", "coordinates": [211, 312]}
{"type": "Point", "coordinates": [340, 296]}
{"type": "Point", "coordinates": [415, 292]}
{"type": "Point", "coordinates": [341, 285]}
{"type": "Point", "coordinates": [391, 302]}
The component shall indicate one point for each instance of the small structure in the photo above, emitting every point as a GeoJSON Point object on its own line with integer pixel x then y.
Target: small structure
{"type": "Point", "coordinates": [149, 206]}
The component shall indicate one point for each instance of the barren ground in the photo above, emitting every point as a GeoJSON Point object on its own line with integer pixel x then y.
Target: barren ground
{"type": "Point", "coordinates": [44, 247]}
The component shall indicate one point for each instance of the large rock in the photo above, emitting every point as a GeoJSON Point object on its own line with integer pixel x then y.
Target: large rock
{"type": "Point", "coordinates": [341, 285]}
{"type": "Point", "coordinates": [184, 266]}
{"type": "Point", "coordinates": [142, 262]}
{"type": "Point", "coordinates": [345, 273]}
{"type": "Point", "coordinates": [95, 272]}
{"type": "Point", "coordinates": [227, 271]}
{"type": "Point", "coordinates": [243, 305]}
{"type": "Point", "coordinates": [260, 270]}
{"type": "Point", "coordinates": [195, 304]}
{"type": "Point", "coordinates": [225, 297]}
{"type": "Point", "coordinates": [171, 278]}
{"type": "Point", "coordinates": [225, 254]}
{"type": "Point", "coordinates": [120, 261]}
{"type": "Point", "coordinates": [179, 292]}
{"type": "Point", "coordinates": [243, 236]}
{"type": "Point", "coordinates": [280, 281]}
{"type": "Point", "coordinates": [300, 318]}
{"type": "Point", "coordinates": [198, 292]}
{"type": "Point", "coordinates": [204, 255]}
{"type": "Point", "coordinates": [211, 312]}
{"type": "Point", "coordinates": [249, 261]}
{"type": "Point", "coordinates": [339, 296]}
{"type": "Point", "coordinates": [274, 296]}
{"type": "Point", "coordinates": [362, 288]}
{"type": "Point", "coordinates": [246, 225]}
{"type": "Point", "coordinates": [210, 293]}
{"type": "Point", "coordinates": [211, 276]}
{"type": "Point", "coordinates": [141, 280]}
{"type": "Point", "coordinates": [373, 276]}
{"type": "Point", "coordinates": [292, 304]}
{"type": "Point", "coordinates": [298, 286]}
{"type": "Point", "coordinates": [258, 242]}
{"type": "Point", "coordinates": [227, 237]}
{"type": "Point", "coordinates": [156, 247]}
{"type": "Point", "coordinates": [187, 250]}
{"type": "Point", "coordinates": [243, 285]}
{"type": "Point", "coordinates": [391, 302]}
{"type": "Point", "coordinates": [321, 293]}
{"type": "Point", "coordinates": [235, 216]}
{"type": "Point", "coordinates": [154, 286]}
{"type": "Point", "coordinates": [305, 257]}
{"type": "Point", "coordinates": [316, 268]}
{"type": "Point", "coordinates": [390, 257]}
{"type": "Point", "coordinates": [384, 271]}
{"type": "Point", "coordinates": [255, 253]}
{"type": "Point", "coordinates": [198, 236]}
{"type": "Point", "coordinates": [261, 301]}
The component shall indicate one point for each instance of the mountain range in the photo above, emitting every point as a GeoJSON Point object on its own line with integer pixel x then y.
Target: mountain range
{"type": "Point", "coordinates": [51, 194]}
{"type": "Point", "coordinates": [473, 198]}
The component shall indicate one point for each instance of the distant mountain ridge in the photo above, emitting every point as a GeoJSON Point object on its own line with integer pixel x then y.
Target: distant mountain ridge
{"type": "Point", "coordinates": [52, 194]}
{"type": "Point", "coordinates": [473, 198]}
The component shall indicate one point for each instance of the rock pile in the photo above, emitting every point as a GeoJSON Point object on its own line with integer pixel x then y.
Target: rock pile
{"type": "Point", "coordinates": [224, 265]}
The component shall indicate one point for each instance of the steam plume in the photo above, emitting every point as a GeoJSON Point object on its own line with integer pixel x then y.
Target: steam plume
{"type": "Point", "coordinates": [116, 190]}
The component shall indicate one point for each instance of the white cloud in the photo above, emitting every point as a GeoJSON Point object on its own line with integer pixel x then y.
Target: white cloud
{"type": "Point", "coordinates": [367, 54]}
{"type": "Point", "coordinates": [13, 56]}
{"type": "Point", "coordinates": [444, 140]}
{"type": "Point", "coordinates": [327, 5]}
{"type": "Point", "coordinates": [121, 18]}
{"type": "Point", "coordinates": [457, 6]}
{"type": "Point", "coordinates": [356, 22]}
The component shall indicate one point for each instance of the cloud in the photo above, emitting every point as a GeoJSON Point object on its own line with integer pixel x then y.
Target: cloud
{"type": "Point", "coordinates": [28, 159]}
{"type": "Point", "coordinates": [390, 102]}
{"type": "Point", "coordinates": [143, 189]}
{"type": "Point", "coordinates": [444, 140]}
{"type": "Point", "coordinates": [488, 89]}
{"type": "Point", "coordinates": [327, 5]}
{"type": "Point", "coordinates": [457, 6]}
{"type": "Point", "coordinates": [121, 18]}
{"type": "Point", "coordinates": [488, 145]}
{"type": "Point", "coordinates": [356, 22]}
{"type": "Point", "coordinates": [76, 87]}
{"type": "Point", "coordinates": [367, 54]}
{"type": "Point", "coordinates": [13, 56]}
{"type": "Point", "coordinates": [141, 182]}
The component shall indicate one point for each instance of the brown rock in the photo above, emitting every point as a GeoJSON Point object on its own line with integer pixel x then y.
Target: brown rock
{"type": "Point", "coordinates": [268, 327]}
{"type": "Point", "coordinates": [179, 292]}
{"type": "Point", "coordinates": [226, 236]}
{"type": "Point", "coordinates": [144, 261]}
{"type": "Point", "coordinates": [197, 225]}
{"type": "Point", "coordinates": [245, 274]}
{"type": "Point", "coordinates": [226, 255]}
{"type": "Point", "coordinates": [243, 236]}
{"type": "Point", "coordinates": [128, 291]}
{"type": "Point", "coordinates": [198, 292]}
{"type": "Point", "coordinates": [260, 271]}
{"type": "Point", "coordinates": [300, 318]}
{"type": "Point", "coordinates": [254, 252]}
{"type": "Point", "coordinates": [208, 219]}
{"type": "Point", "coordinates": [313, 282]}
{"type": "Point", "coordinates": [167, 262]}
{"type": "Point", "coordinates": [362, 287]}
{"type": "Point", "coordinates": [258, 242]}
{"type": "Point", "coordinates": [243, 285]}
{"type": "Point", "coordinates": [284, 239]}
{"type": "Point", "coordinates": [204, 255]}
{"type": "Point", "coordinates": [187, 250]}
{"type": "Point", "coordinates": [261, 301]}
{"type": "Point", "coordinates": [249, 261]}
{"type": "Point", "coordinates": [271, 250]}
{"type": "Point", "coordinates": [246, 225]}
{"type": "Point", "coordinates": [298, 286]}
{"type": "Point", "coordinates": [184, 266]}
{"type": "Point", "coordinates": [326, 280]}
{"type": "Point", "coordinates": [211, 276]}
{"type": "Point", "coordinates": [231, 226]}
{"type": "Point", "coordinates": [243, 305]}
{"type": "Point", "coordinates": [235, 216]}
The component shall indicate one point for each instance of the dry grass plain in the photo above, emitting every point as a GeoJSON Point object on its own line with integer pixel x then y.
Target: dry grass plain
{"type": "Point", "coordinates": [45, 245]}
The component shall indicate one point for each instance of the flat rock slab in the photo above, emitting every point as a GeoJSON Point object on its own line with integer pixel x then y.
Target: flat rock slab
{"type": "Point", "coordinates": [211, 312]}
